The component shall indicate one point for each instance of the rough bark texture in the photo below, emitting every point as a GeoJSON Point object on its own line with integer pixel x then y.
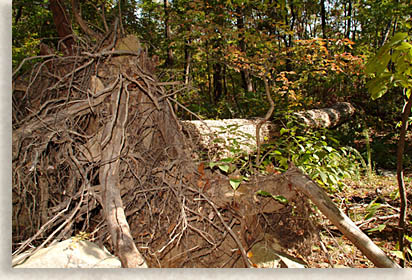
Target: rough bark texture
{"type": "Point", "coordinates": [326, 117]}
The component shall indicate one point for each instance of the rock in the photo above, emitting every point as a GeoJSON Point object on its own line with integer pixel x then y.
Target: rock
{"type": "Point", "coordinates": [268, 254]}
{"type": "Point", "coordinates": [68, 254]}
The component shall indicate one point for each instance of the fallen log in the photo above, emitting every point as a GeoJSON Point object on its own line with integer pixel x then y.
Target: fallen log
{"type": "Point", "coordinates": [218, 137]}
{"type": "Point", "coordinates": [306, 186]}
{"type": "Point", "coordinates": [326, 117]}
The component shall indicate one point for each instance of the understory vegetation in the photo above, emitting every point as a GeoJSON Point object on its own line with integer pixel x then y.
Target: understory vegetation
{"type": "Point", "coordinates": [220, 59]}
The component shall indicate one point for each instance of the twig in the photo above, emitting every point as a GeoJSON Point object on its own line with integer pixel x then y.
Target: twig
{"type": "Point", "coordinates": [326, 252]}
{"type": "Point", "coordinates": [41, 230]}
{"type": "Point", "coordinates": [30, 58]}
{"type": "Point", "coordinates": [381, 218]}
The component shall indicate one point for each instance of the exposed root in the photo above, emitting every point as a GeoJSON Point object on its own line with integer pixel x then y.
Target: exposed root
{"type": "Point", "coordinates": [97, 148]}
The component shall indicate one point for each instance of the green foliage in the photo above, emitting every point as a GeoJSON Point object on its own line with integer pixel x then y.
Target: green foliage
{"type": "Point", "coordinates": [317, 153]}
{"type": "Point", "coordinates": [278, 198]}
{"type": "Point", "coordinates": [32, 22]}
{"type": "Point", "coordinates": [391, 66]}
{"type": "Point", "coordinates": [372, 208]}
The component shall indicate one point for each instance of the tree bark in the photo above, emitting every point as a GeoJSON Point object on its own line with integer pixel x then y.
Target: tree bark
{"type": "Point", "coordinates": [170, 58]}
{"type": "Point", "coordinates": [399, 173]}
{"type": "Point", "coordinates": [323, 18]}
{"type": "Point", "coordinates": [306, 186]}
{"type": "Point", "coordinates": [63, 25]}
{"type": "Point", "coordinates": [245, 74]}
{"type": "Point", "coordinates": [112, 144]}
{"type": "Point", "coordinates": [217, 81]}
{"type": "Point", "coordinates": [349, 19]}
{"type": "Point", "coordinates": [188, 60]}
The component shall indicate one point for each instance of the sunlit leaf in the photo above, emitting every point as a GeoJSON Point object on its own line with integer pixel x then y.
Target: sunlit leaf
{"type": "Point", "coordinates": [409, 238]}
{"type": "Point", "coordinates": [398, 254]}
{"type": "Point", "coordinates": [224, 167]}
{"type": "Point", "coordinates": [235, 183]}
{"type": "Point", "coordinates": [279, 198]}
{"type": "Point", "coordinates": [378, 228]}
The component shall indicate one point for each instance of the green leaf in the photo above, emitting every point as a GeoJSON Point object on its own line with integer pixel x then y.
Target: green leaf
{"type": "Point", "coordinates": [378, 228]}
{"type": "Point", "coordinates": [403, 46]}
{"type": "Point", "coordinates": [378, 64]}
{"type": "Point", "coordinates": [283, 130]}
{"type": "Point", "coordinates": [332, 178]}
{"type": "Point", "coordinates": [235, 183]}
{"type": "Point", "coordinates": [212, 164]}
{"type": "Point", "coordinates": [329, 149]}
{"type": "Point", "coordinates": [398, 37]}
{"type": "Point", "coordinates": [223, 167]}
{"type": "Point", "coordinates": [276, 152]}
{"type": "Point", "coordinates": [378, 86]}
{"type": "Point", "coordinates": [264, 193]}
{"type": "Point", "coordinates": [398, 254]}
{"type": "Point", "coordinates": [372, 210]}
{"type": "Point", "coordinates": [408, 238]}
{"type": "Point", "coordinates": [323, 177]}
{"type": "Point", "coordinates": [279, 198]}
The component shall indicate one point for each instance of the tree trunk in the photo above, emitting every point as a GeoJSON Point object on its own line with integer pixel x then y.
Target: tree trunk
{"type": "Point", "coordinates": [63, 25]}
{"type": "Point", "coordinates": [188, 60]}
{"type": "Point", "coordinates": [217, 81]}
{"type": "Point", "coordinates": [245, 74]}
{"type": "Point", "coordinates": [170, 58]}
{"type": "Point", "coordinates": [323, 18]}
{"type": "Point", "coordinates": [349, 19]}
{"type": "Point", "coordinates": [399, 172]}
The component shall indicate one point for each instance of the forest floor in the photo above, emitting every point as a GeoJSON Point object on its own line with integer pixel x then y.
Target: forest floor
{"type": "Point", "coordinates": [374, 207]}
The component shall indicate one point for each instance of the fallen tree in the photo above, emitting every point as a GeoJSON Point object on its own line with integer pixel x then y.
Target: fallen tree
{"type": "Point", "coordinates": [97, 148]}
{"type": "Point", "coordinates": [217, 136]}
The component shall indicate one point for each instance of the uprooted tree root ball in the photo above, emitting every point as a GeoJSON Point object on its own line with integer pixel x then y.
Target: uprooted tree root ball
{"type": "Point", "coordinates": [97, 149]}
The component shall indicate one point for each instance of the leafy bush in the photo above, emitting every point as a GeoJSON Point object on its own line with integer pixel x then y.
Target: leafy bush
{"type": "Point", "coordinates": [317, 153]}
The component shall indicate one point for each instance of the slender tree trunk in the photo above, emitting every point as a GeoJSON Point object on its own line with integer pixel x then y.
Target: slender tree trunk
{"type": "Point", "coordinates": [217, 81]}
{"type": "Point", "coordinates": [188, 60]}
{"type": "Point", "coordinates": [292, 22]}
{"type": "Point", "coordinates": [349, 19]}
{"type": "Point", "coordinates": [399, 172]}
{"type": "Point", "coordinates": [209, 76]}
{"type": "Point", "coordinates": [304, 184]}
{"type": "Point", "coordinates": [18, 14]}
{"type": "Point", "coordinates": [246, 78]}
{"type": "Point", "coordinates": [323, 18]}
{"type": "Point", "coordinates": [170, 57]}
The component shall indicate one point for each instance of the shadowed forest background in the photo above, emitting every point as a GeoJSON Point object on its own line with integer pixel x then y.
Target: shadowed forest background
{"type": "Point", "coordinates": [137, 69]}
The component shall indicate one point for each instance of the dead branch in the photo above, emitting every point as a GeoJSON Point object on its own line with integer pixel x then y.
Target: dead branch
{"type": "Point", "coordinates": [305, 185]}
